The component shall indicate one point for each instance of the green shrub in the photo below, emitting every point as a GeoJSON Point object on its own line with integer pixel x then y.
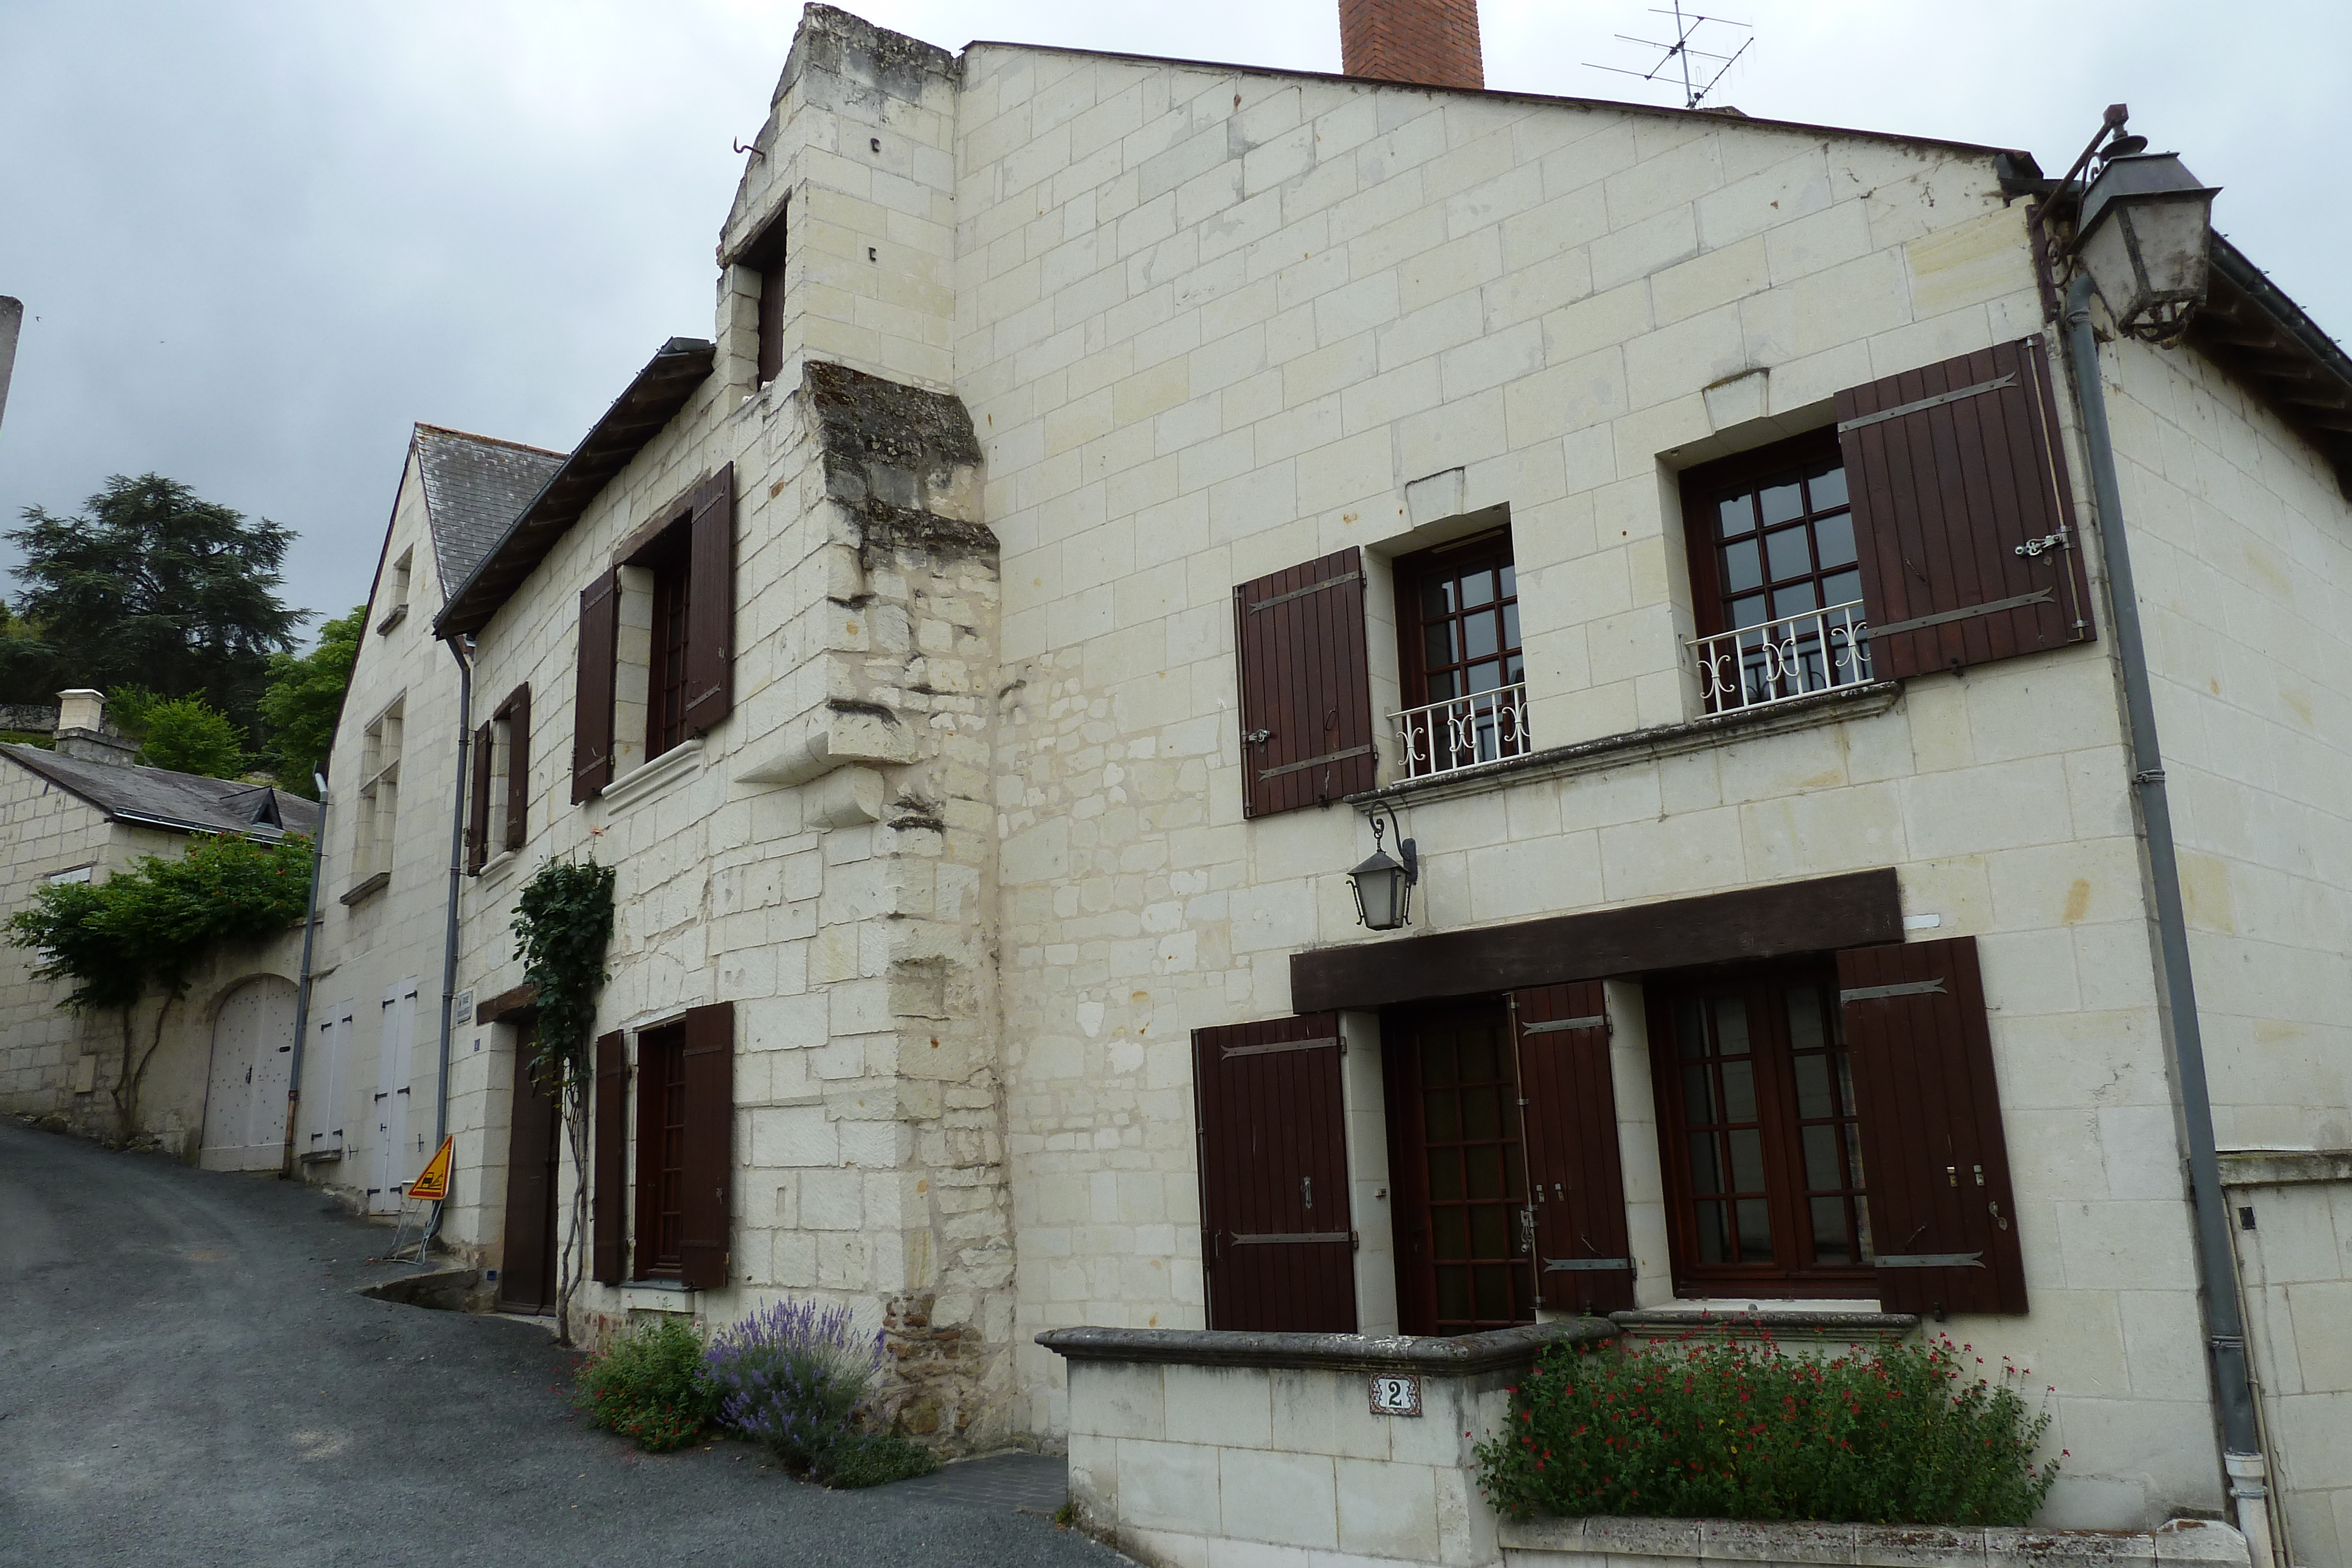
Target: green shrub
{"type": "Point", "coordinates": [1895, 1436]}
{"type": "Point", "coordinates": [650, 1386]}
{"type": "Point", "coordinates": [799, 1379]}
{"type": "Point", "coordinates": [875, 1458]}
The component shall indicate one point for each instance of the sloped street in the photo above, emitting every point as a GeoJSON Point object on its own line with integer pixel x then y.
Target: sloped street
{"type": "Point", "coordinates": [189, 1377]}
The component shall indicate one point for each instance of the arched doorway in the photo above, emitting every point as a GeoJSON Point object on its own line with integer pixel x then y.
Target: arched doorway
{"type": "Point", "coordinates": [253, 1061]}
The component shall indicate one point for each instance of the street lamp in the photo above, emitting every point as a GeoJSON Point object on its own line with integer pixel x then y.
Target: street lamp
{"type": "Point", "coordinates": [1383, 886]}
{"type": "Point", "coordinates": [2142, 240]}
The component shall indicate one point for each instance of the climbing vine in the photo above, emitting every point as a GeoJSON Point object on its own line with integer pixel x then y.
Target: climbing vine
{"type": "Point", "coordinates": [562, 926]}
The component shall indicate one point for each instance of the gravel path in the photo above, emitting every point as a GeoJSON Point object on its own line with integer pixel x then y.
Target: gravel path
{"type": "Point", "coordinates": [187, 1375]}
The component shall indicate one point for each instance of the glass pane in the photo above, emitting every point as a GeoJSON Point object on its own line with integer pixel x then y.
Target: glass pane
{"type": "Point", "coordinates": [1478, 587]}
{"type": "Point", "coordinates": [1789, 552]}
{"type": "Point", "coordinates": [1495, 1294]}
{"type": "Point", "coordinates": [1514, 668]}
{"type": "Point", "coordinates": [1743, 568]}
{"type": "Point", "coordinates": [1510, 1117]}
{"type": "Point", "coordinates": [1731, 1026]}
{"type": "Point", "coordinates": [1478, 635]}
{"type": "Point", "coordinates": [1842, 588]}
{"type": "Point", "coordinates": [1755, 1231]}
{"type": "Point", "coordinates": [1749, 612]}
{"type": "Point", "coordinates": [1781, 502]}
{"type": "Point", "coordinates": [1511, 579]}
{"type": "Point", "coordinates": [1698, 1095]}
{"type": "Point", "coordinates": [1511, 624]}
{"type": "Point", "coordinates": [1830, 1242]}
{"type": "Point", "coordinates": [1805, 1022]}
{"type": "Point", "coordinates": [1443, 685]}
{"type": "Point", "coordinates": [1739, 1091]}
{"type": "Point", "coordinates": [1485, 1171]}
{"type": "Point", "coordinates": [1813, 1086]}
{"type": "Point", "coordinates": [1449, 1233]}
{"type": "Point", "coordinates": [1822, 1172]}
{"type": "Point", "coordinates": [1714, 1246]}
{"type": "Point", "coordinates": [1478, 1059]}
{"type": "Point", "coordinates": [1437, 643]}
{"type": "Point", "coordinates": [1515, 1176]}
{"type": "Point", "coordinates": [1794, 599]}
{"type": "Point", "coordinates": [1834, 539]}
{"type": "Point", "coordinates": [1438, 1113]}
{"type": "Point", "coordinates": [1444, 1174]}
{"type": "Point", "coordinates": [1735, 517]}
{"type": "Point", "coordinates": [1482, 677]}
{"type": "Point", "coordinates": [1828, 486]}
{"type": "Point", "coordinates": [1705, 1176]}
{"type": "Point", "coordinates": [1454, 1294]}
{"type": "Point", "coordinates": [1747, 1161]}
{"type": "Point", "coordinates": [1690, 1026]}
{"type": "Point", "coordinates": [1437, 596]}
{"type": "Point", "coordinates": [1490, 1231]}
{"type": "Point", "coordinates": [1478, 1113]}
{"type": "Point", "coordinates": [1438, 1062]}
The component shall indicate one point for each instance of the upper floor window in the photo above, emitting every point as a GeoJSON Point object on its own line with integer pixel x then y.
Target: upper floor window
{"type": "Point", "coordinates": [397, 591]}
{"type": "Point", "coordinates": [765, 260]}
{"type": "Point", "coordinates": [499, 816]}
{"type": "Point", "coordinates": [665, 678]}
{"type": "Point", "coordinates": [379, 800]}
{"type": "Point", "coordinates": [1459, 659]}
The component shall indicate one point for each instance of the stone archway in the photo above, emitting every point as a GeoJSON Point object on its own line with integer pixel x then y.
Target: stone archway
{"type": "Point", "coordinates": [252, 1067]}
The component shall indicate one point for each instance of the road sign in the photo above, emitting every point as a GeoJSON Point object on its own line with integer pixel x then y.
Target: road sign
{"type": "Point", "coordinates": [434, 1185]}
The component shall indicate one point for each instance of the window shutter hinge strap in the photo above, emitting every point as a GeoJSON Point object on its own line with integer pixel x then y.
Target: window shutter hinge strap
{"type": "Point", "coordinates": [1279, 1045]}
{"type": "Point", "coordinates": [1303, 592]}
{"type": "Point", "coordinates": [1585, 1265]}
{"type": "Point", "coordinates": [1929, 1260]}
{"type": "Point", "coordinates": [1921, 623]}
{"type": "Point", "coordinates": [1265, 773]}
{"type": "Point", "coordinates": [1908, 989]}
{"type": "Point", "coordinates": [1900, 409]}
{"type": "Point", "coordinates": [1553, 1026]}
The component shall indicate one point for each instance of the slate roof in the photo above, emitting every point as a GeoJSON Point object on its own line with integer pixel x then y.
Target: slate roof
{"type": "Point", "coordinates": [184, 802]}
{"type": "Point", "coordinates": [474, 487]}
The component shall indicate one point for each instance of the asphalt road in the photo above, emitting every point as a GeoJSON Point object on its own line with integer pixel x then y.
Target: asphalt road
{"type": "Point", "coordinates": [188, 1376]}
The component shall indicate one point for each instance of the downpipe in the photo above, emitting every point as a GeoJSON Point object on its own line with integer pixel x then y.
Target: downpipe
{"type": "Point", "coordinates": [302, 991]}
{"type": "Point", "coordinates": [2225, 1339]}
{"type": "Point", "coordinates": [456, 871]}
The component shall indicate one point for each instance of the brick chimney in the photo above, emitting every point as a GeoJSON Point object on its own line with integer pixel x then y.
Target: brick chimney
{"type": "Point", "coordinates": [1433, 42]}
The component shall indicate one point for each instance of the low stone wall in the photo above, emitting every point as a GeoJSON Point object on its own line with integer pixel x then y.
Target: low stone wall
{"type": "Point", "coordinates": [1191, 1447]}
{"type": "Point", "coordinates": [1606, 1542]}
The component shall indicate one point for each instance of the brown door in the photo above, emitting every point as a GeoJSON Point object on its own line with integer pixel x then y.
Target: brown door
{"type": "Point", "coordinates": [527, 1274]}
{"type": "Point", "coordinates": [1463, 1258]}
{"type": "Point", "coordinates": [1278, 1243]}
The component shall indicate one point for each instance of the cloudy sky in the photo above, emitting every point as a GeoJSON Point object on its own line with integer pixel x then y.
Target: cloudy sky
{"type": "Point", "coordinates": [255, 241]}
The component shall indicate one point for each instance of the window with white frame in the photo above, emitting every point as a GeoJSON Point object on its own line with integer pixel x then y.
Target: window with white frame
{"type": "Point", "coordinates": [379, 795]}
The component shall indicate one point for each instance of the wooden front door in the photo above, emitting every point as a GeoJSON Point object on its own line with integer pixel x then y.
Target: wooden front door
{"type": "Point", "coordinates": [1463, 1255]}
{"type": "Point", "coordinates": [527, 1274]}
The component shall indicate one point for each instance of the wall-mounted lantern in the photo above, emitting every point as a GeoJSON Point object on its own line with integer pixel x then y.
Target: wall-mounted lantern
{"type": "Point", "coordinates": [1384, 886]}
{"type": "Point", "coordinates": [2142, 239]}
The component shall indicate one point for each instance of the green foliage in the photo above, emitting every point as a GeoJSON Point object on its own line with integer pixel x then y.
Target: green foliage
{"type": "Point", "coordinates": [305, 698]}
{"type": "Point", "coordinates": [877, 1458]}
{"type": "Point", "coordinates": [188, 735]}
{"type": "Point", "coordinates": [798, 1379]}
{"type": "Point", "coordinates": [153, 587]}
{"type": "Point", "coordinates": [563, 923]}
{"type": "Point", "coordinates": [1896, 1435]}
{"type": "Point", "coordinates": [650, 1386]}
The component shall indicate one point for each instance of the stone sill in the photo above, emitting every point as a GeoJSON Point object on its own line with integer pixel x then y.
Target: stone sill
{"type": "Point", "coordinates": [498, 865]}
{"type": "Point", "coordinates": [649, 778]}
{"type": "Point", "coordinates": [1536, 1541]}
{"type": "Point", "coordinates": [366, 887]}
{"type": "Point", "coordinates": [2284, 1167]}
{"type": "Point", "coordinates": [1460, 1356]}
{"type": "Point", "coordinates": [1640, 745]}
{"type": "Point", "coordinates": [1782, 1323]}
{"type": "Point", "coordinates": [392, 618]}
{"type": "Point", "coordinates": [656, 1296]}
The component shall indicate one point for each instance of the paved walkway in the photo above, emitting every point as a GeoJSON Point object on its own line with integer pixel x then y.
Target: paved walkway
{"type": "Point", "coordinates": [188, 1376]}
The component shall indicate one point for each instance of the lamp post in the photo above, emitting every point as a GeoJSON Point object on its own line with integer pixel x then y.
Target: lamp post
{"type": "Point", "coordinates": [1384, 887]}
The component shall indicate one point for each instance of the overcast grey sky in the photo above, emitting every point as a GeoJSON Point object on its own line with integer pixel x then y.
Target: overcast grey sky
{"type": "Point", "coordinates": [255, 241]}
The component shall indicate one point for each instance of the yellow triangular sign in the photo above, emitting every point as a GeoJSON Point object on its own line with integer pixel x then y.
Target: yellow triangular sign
{"type": "Point", "coordinates": [434, 1185]}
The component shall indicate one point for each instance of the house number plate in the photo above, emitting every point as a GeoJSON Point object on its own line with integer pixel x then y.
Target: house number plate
{"type": "Point", "coordinates": [1395, 1394]}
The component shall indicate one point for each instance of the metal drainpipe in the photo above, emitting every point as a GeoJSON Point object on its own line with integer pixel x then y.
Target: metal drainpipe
{"type": "Point", "coordinates": [303, 992]}
{"type": "Point", "coordinates": [456, 870]}
{"type": "Point", "coordinates": [2217, 1266]}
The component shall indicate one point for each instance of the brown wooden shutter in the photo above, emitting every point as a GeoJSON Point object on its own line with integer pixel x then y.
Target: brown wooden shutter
{"type": "Point", "coordinates": [1275, 1232]}
{"type": "Point", "coordinates": [1306, 686]}
{"type": "Point", "coordinates": [609, 1194]}
{"type": "Point", "coordinates": [1584, 1260]}
{"type": "Point", "coordinates": [767, 258]}
{"type": "Point", "coordinates": [710, 1162]}
{"type": "Point", "coordinates": [1954, 470]}
{"type": "Point", "coordinates": [478, 809]}
{"type": "Point", "coordinates": [1942, 1220]}
{"type": "Point", "coordinates": [710, 604]}
{"type": "Point", "coordinates": [518, 714]}
{"type": "Point", "coordinates": [592, 716]}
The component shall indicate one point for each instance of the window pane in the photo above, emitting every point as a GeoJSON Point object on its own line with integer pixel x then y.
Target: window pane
{"type": "Point", "coordinates": [1794, 599]}
{"type": "Point", "coordinates": [1705, 1174]}
{"type": "Point", "coordinates": [1487, 1171]}
{"type": "Point", "coordinates": [1781, 502]}
{"type": "Point", "coordinates": [1437, 643]}
{"type": "Point", "coordinates": [1805, 1023]}
{"type": "Point", "coordinates": [1478, 1113]}
{"type": "Point", "coordinates": [1698, 1095]}
{"type": "Point", "coordinates": [1714, 1246]}
{"type": "Point", "coordinates": [1731, 1025]}
{"type": "Point", "coordinates": [1690, 1026]}
{"type": "Point", "coordinates": [1446, 1173]}
{"type": "Point", "coordinates": [1830, 1242]}
{"type": "Point", "coordinates": [1748, 611]}
{"type": "Point", "coordinates": [1828, 486]}
{"type": "Point", "coordinates": [1478, 587]}
{"type": "Point", "coordinates": [1437, 596]}
{"type": "Point", "coordinates": [1743, 567]}
{"type": "Point", "coordinates": [1834, 539]}
{"type": "Point", "coordinates": [1478, 635]}
{"type": "Point", "coordinates": [1511, 624]}
{"type": "Point", "coordinates": [1813, 1086]}
{"type": "Point", "coordinates": [1480, 1062]}
{"type": "Point", "coordinates": [1443, 686]}
{"type": "Point", "coordinates": [1514, 670]}
{"type": "Point", "coordinates": [1449, 1234]}
{"type": "Point", "coordinates": [1495, 1294]}
{"type": "Point", "coordinates": [1789, 552]}
{"type": "Point", "coordinates": [1439, 1062]}
{"type": "Point", "coordinates": [1511, 579]}
{"type": "Point", "coordinates": [1486, 677]}
{"type": "Point", "coordinates": [1454, 1294]}
{"type": "Point", "coordinates": [1490, 1231]}
{"type": "Point", "coordinates": [1822, 1172]}
{"type": "Point", "coordinates": [1755, 1231]}
{"type": "Point", "coordinates": [1736, 516]}
{"type": "Point", "coordinates": [1842, 588]}
{"type": "Point", "coordinates": [1438, 1111]}
{"type": "Point", "coordinates": [1739, 1091]}
{"type": "Point", "coordinates": [1747, 1161]}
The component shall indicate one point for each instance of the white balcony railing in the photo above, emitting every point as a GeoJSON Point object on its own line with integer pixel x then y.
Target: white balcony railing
{"type": "Point", "coordinates": [1795, 656]}
{"type": "Point", "coordinates": [1462, 732]}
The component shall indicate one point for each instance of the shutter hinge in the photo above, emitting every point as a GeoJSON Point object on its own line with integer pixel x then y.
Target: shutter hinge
{"type": "Point", "coordinates": [2058, 541]}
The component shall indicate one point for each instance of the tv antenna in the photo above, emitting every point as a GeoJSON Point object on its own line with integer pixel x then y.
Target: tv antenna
{"type": "Point", "coordinates": [1679, 54]}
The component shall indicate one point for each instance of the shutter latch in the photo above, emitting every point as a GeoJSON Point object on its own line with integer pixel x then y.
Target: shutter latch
{"type": "Point", "coordinates": [2032, 548]}
{"type": "Point", "coordinates": [1258, 737]}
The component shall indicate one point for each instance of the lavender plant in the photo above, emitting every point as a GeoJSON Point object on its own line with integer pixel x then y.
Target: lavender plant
{"type": "Point", "coordinates": [799, 1380]}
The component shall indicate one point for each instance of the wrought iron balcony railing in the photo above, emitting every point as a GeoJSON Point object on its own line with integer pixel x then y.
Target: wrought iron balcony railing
{"type": "Point", "coordinates": [1462, 732]}
{"type": "Point", "coordinates": [1795, 656]}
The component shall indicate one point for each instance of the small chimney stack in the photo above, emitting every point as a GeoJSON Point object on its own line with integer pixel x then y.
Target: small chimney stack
{"type": "Point", "coordinates": [82, 732]}
{"type": "Point", "coordinates": [1431, 42]}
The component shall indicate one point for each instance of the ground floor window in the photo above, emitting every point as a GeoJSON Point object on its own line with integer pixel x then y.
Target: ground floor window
{"type": "Point", "coordinates": [1760, 1143]}
{"type": "Point", "coordinates": [661, 1151]}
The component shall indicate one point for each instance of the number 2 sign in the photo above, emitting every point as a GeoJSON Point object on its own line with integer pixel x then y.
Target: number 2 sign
{"type": "Point", "coordinates": [1395, 1394]}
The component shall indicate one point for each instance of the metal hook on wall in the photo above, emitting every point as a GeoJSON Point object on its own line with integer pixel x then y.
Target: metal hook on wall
{"type": "Point", "coordinates": [754, 152]}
